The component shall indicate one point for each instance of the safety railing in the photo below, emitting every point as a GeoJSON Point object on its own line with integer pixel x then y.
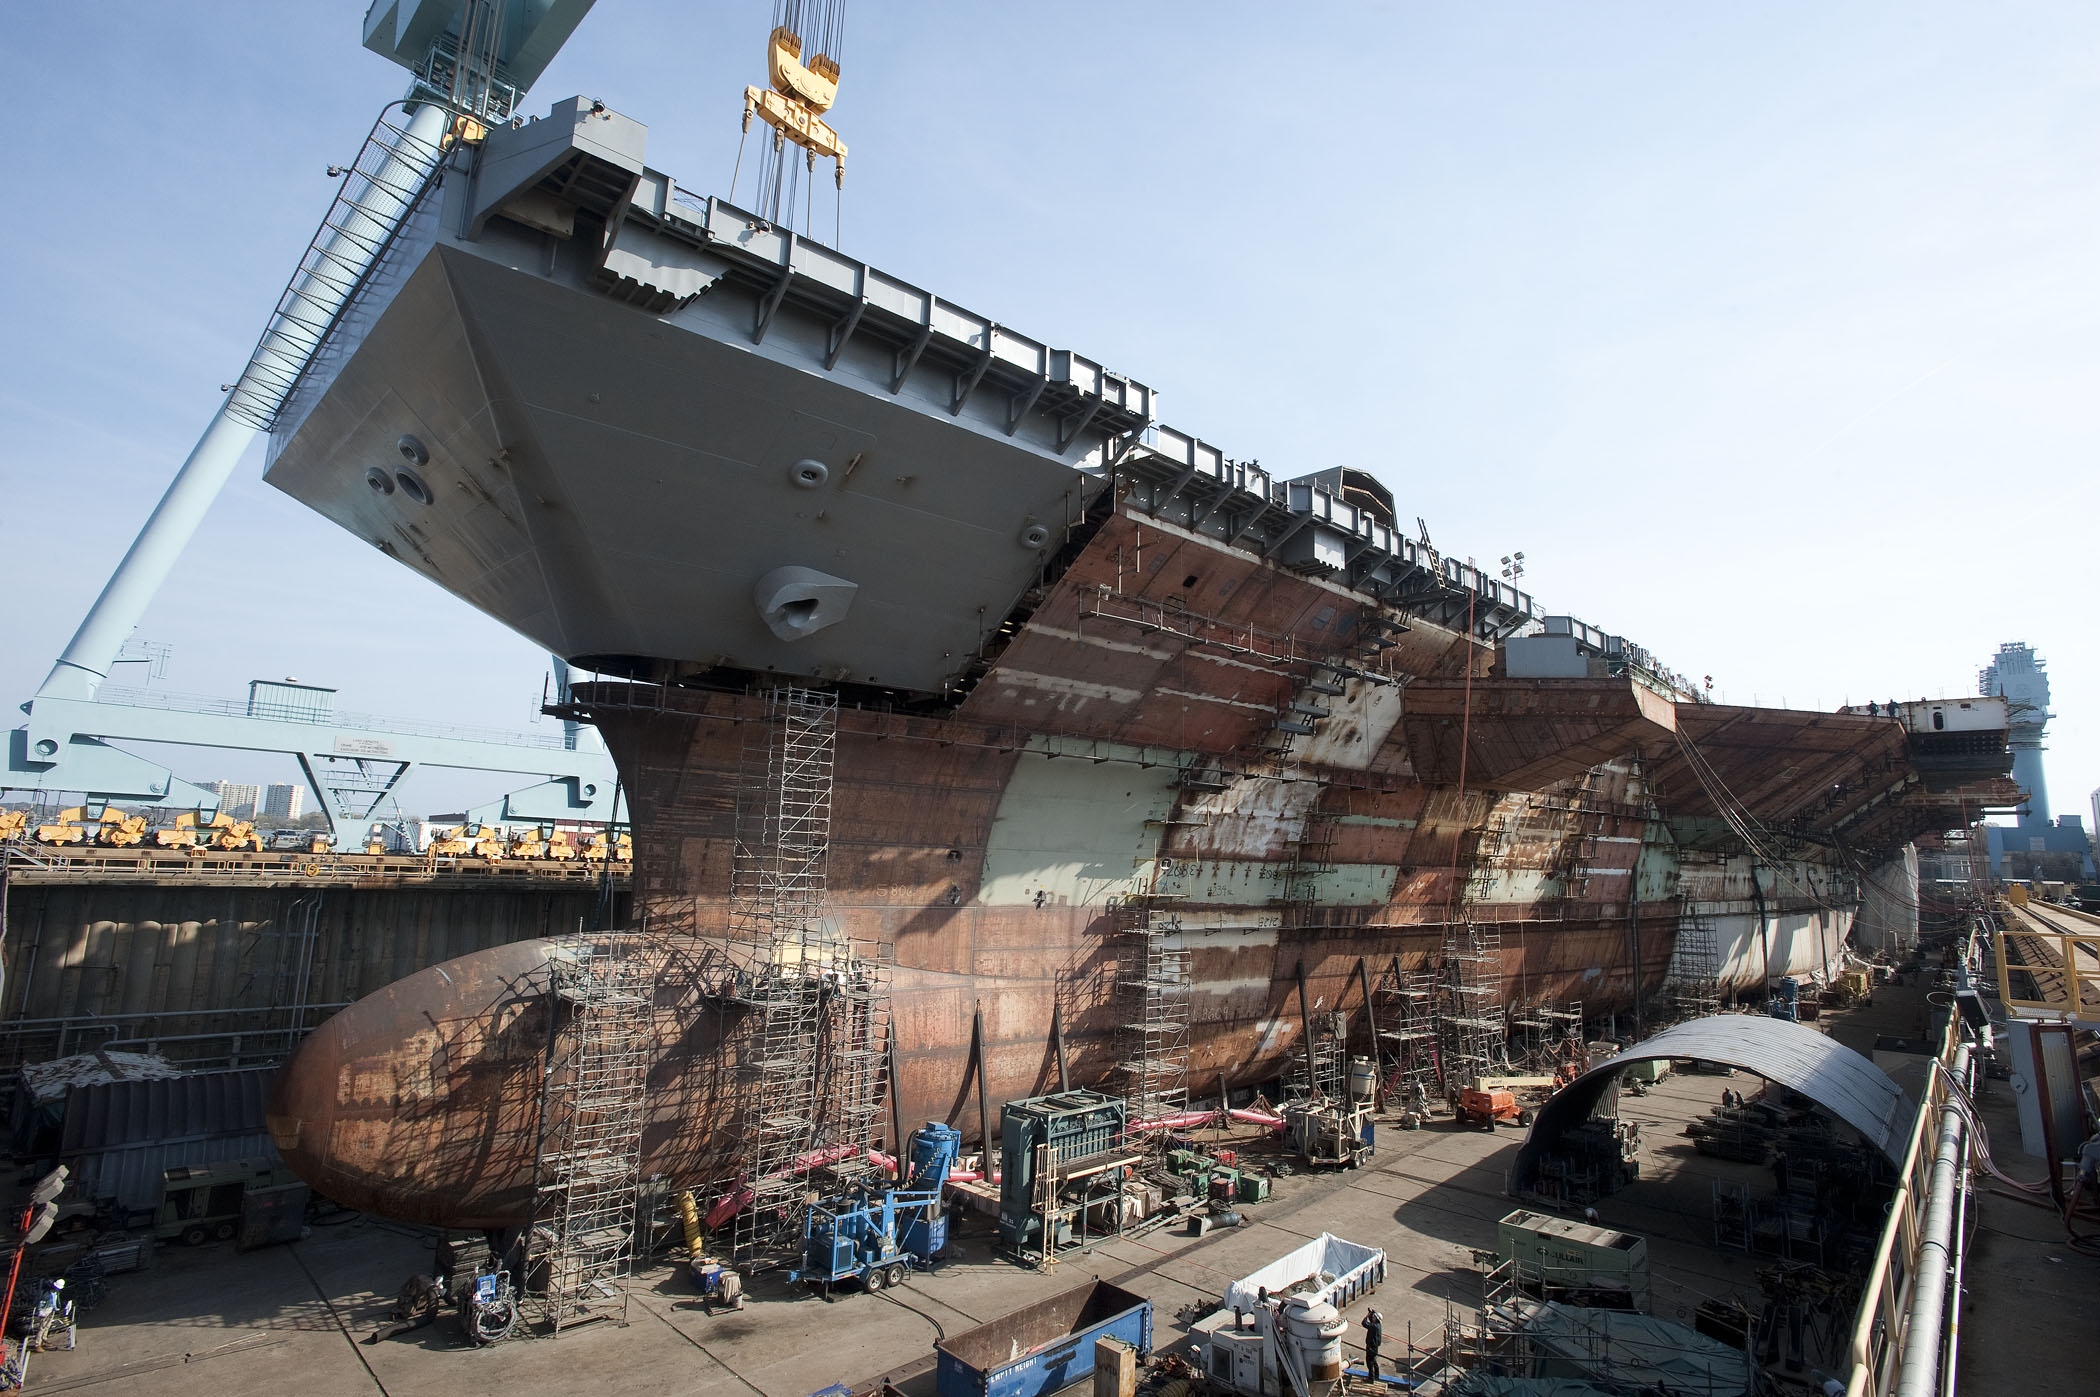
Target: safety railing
{"type": "Point", "coordinates": [45, 864]}
{"type": "Point", "coordinates": [379, 189]}
{"type": "Point", "coordinates": [168, 701]}
{"type": "Point", "coordinates": [1877, 1327]}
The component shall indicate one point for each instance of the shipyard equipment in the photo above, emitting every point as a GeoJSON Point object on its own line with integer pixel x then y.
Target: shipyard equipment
{"type": "Point", "coordinates": [1291, 1345]}
{"type": "Point", "coordinates": [1556, 1258]}
{"type": "Point", "coordinates": [489, 1313]}
{"type": "Point", "coordinates": [1493, 1100]}
{"type": "Point", "coordinates": [876, 1237]}
{"type": "Point", "coordinates": [66, 829]}
{"type": "Point", "coordinates": [1052, 1146]}
{"type": "Point", "coordinates": [1280, 1329]}
{"type": "Point", "coordinates": [715, 1279]}
{"type": "Point", "coordinates": [1042, 1348]}
{"type": "Point", "coordinates": [203, 1203]}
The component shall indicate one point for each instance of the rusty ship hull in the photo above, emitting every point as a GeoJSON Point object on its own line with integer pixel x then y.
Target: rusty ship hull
{"type": "Point", "coordinates": [992, 855]}
{"type": "Point", "coordinates": [1084, 662]}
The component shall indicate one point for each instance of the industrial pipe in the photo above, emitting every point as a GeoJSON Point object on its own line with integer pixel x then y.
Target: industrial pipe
{"type": "Point", "coordinates": [1924, 1326]}
{"type": "Point", "coordinates": [1961, 1218]}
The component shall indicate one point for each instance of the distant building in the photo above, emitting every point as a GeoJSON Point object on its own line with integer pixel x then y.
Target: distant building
{"type": "Point", "coordinates": [283, 802]}
{"type": "Point", "coordinates": [2037, 847]}
{"type": "Point", "coordinates": [236, 800]}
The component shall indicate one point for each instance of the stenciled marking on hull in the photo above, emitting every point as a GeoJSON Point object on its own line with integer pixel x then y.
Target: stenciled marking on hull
{"type": "Point", "coordinates": [1071, 695]}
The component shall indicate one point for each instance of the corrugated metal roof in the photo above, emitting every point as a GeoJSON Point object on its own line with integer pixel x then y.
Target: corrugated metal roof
{"type": "Point", "coordinates": [119, 1136]}
{"type": "Point", "coordinates": [1825, 1071]}
{"type": "Point", "coordinates": [197, 1105]}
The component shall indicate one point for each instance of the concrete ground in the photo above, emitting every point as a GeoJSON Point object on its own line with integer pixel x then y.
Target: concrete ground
{"type": "Point", "coordinates": [292, 1319]}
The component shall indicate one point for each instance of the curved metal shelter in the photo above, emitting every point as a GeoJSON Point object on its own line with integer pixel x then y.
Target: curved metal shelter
{"type": "Point", "coordinates": [1841, 1081]}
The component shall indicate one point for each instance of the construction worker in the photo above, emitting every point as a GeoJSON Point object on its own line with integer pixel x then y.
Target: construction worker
{"type": "Point", "coordinates": [1374, 1335]}
{"type": "Point", "coordinates": [1591, 1216]}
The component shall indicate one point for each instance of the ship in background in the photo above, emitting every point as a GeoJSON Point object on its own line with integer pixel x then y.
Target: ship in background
{"type": "Point", "coordinates": [1076, 680]}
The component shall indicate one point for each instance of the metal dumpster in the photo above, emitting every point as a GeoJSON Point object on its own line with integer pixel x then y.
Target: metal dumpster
{"type": "Point", "coordinates": [1042, 1347]}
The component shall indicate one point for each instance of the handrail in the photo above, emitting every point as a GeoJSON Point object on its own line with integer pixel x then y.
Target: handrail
{"type": "Point", "coordinates": [380, 188]}
{"type": "Point", "coordinates": [171, 701]}
{"type": "Point", "coordinates": [1885, 1299]}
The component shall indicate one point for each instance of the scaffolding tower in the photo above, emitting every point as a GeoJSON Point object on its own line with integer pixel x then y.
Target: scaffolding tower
{"type": "Point", "coordinates": [588, 1173]}
{"type": "Point", "coordinates": [1693, 985]}
{"type": "Point", "coordinates": [1406, 1047]}
{"type": "Point", "coordinates": [1152, 1004]}
{"type": "Point", "coordinates": [1472, 1030]}
{"type": "Point", "coordinates": [1548, 1037]}
{"type": "Point", "coordinates": [811, 1072]}
{"type": "Point", "coordinates": [1319, 1074]}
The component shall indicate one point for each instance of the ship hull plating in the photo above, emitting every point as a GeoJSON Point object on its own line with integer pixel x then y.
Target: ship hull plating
{"type": "Point", "coordinates": [991, 867]}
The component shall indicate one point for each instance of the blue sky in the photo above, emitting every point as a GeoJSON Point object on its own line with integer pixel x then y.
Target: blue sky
{"type": "Point", "coordinates": [1770, 333]}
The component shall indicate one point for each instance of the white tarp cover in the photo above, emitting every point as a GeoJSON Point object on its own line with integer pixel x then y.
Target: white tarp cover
{"type": "Point", "coordinates": [1633, 1352]}
{"type": "Point", "coordinates": [48, 1081]}
{"type": "Point", "coordinates": [1339, 1270]}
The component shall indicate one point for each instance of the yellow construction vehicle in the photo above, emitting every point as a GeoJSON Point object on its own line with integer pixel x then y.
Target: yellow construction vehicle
{"type": "Point", "coordinates": [180, 835]}
{"type": "Point", "coordinates": [451, 843]}
{"type": "Point", "coordinates": [121, 831]}
{"type": "Point", "coordinates": [68, 830]}
{"type": "Point", "coordinates": [531, 843]}
{"type": "Point", "coordinates": [559, 848]}
{"type": "Point", "coordinates": [197, 835]}
{"type": "Point", "coordinates": [599, 845]}
{"type": "Point", "coordinates": [228, 833]}
{"type": "Point", "coordinates": [489, 843]}
{"type": "Point", "coordinates": [13, 824]}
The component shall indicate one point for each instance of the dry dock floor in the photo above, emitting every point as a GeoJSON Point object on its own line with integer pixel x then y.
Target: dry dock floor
{"type": "Point", "coordinates": [293, 1319]}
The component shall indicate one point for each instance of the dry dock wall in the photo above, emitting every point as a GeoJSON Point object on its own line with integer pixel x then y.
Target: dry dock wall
{"type": "Point", "coordinates": [222, 975]}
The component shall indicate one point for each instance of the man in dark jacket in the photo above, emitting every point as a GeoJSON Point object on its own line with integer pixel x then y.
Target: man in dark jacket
{"type": "Point", "coordinates": [1374, 1334]}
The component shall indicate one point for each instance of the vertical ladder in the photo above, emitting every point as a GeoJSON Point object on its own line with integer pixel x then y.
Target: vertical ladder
{"type": "Point", "coordinates": [588, 1174]}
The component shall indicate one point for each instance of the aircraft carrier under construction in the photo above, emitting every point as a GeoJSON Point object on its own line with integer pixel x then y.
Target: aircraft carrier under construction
{"type": "Point", "coordinates": [989, 741]}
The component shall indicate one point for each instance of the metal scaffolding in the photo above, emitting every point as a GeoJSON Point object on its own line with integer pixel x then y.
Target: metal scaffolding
{"type": "Point", "coordinates": [588, 1173]}
{"type": "Point", "coordinates": [1472, 1031]}
{"type": "Point", "coordinates": [1319, 1074]}
{"type": "Point", "coordinates": [1407, 1049]}
{"type": "Point", "coordinates": [1547, 1037]}
{"type": "Point", "coordinates": [811, 1072]}
{"type": "Point", "coordinates": [1152, 1011]}
{"type": "Point", "coordinates": [1693, 985]}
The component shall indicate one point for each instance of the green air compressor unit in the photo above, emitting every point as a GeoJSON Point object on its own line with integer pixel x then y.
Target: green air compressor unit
{"type": "Point", "coordinates": [1057, 1131]}
{"type": "Point", "coordinates": [1555, 1257]}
